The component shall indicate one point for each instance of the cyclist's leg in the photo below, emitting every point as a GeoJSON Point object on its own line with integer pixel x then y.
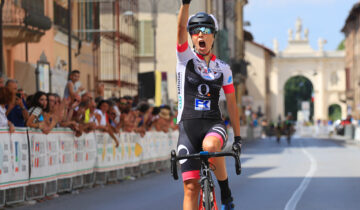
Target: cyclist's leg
{"type": "Point", "coordinates": [190, 169]}
{"type": "Point", "coordinates": [215, 141]}
{"type": "Point", "coordinates": [212, 143]}
{"type": "Point", "coordinates": [191, 194]}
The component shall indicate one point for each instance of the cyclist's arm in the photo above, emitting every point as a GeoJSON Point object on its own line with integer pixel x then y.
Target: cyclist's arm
{"type": "Point", "coordinates": [229, 91]}
{"type": "Point", "coordinates": [233, 112]}
{"type": "Point", "coordinates": [182, 36]}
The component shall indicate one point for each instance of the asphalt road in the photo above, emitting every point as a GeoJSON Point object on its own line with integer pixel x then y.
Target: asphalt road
{"type": "Point", "coordinates": [311, 174]}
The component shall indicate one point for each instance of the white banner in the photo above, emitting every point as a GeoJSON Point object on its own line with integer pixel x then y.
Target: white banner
{"type": "Point", "coordinates": [62, 155]}
{"type": "Point", "coordinates": [19, 157]}
{"type": "Point", "coordinates": [39, 172]}
{"type": "Point", "coordinates": [13, 159]}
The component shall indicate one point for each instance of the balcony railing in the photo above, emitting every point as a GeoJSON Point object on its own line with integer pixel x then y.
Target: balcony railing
{"type": "Point", "coordinates": [24, 22]}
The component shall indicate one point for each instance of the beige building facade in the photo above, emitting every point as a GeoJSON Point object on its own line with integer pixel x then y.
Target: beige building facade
{"type": "Point", "coordinates": [325, 70]}
{"type": "Point", "coordinates": [352, 67]}
{"type": "Point", "coordinates": [259, 60]}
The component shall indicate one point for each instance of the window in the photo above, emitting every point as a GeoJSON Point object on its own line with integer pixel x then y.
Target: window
{"type": "Point", "coordinates": [146, 38]}
{"type": "Point", "coordinates": [60, 16]}
{"type": "Point", "coordinates": [33, 6]}
{"type": "Point", "coordinates": [86, 19]}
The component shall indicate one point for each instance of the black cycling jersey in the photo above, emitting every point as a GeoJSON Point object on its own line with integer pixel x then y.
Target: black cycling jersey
{"type": "Point", "coordinates": [199, 84]}
{"type": "Point", "coordinates": [199, 116]}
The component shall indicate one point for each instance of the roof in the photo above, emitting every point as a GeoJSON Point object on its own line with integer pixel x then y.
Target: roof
{"type": "Point", "coordinates": [265, 48]}
{"type": "Point", "coordinates": [354, 12]}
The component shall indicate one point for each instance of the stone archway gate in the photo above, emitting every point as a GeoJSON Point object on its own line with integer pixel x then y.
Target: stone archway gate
{"type": "Point", "coordinates": [325, 70]}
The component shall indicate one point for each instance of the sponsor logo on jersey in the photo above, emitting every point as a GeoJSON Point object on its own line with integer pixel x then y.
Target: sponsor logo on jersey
{"type": "Point", "coordinates": [202, 105]}
{"type": "Point", "coordinates": [230, 79]}
{"type": "Point", "coordinates": [204, 89]}
{"type": "Point", "coordinates": [179, 77]}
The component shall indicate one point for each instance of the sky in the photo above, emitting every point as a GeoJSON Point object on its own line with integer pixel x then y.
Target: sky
{"type": "Point", "coordinates": [271, 19]}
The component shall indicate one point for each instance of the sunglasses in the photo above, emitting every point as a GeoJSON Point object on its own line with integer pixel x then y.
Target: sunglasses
{"type": "Point", "coordinates": [204, 30]}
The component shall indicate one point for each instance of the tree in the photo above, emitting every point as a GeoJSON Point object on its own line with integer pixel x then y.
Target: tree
{"type": "Point", "coordinates": [341, 46]}
{"type": "Point", "coordinates": [297, 90]}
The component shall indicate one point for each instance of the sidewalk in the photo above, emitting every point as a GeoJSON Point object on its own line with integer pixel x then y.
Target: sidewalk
{"type": "Point", "coordinates": [342, 139]}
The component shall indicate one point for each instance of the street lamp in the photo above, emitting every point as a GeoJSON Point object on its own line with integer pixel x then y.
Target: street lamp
{"type": "Point", "coordinates": [43, 74]}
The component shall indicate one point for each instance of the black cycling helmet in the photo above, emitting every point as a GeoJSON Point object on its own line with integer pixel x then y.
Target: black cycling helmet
{"type": "Point", "coordinates": [202, 19]}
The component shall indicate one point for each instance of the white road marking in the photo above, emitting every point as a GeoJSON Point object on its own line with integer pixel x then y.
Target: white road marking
{"type": "Point", "coordinates": [295, 198]}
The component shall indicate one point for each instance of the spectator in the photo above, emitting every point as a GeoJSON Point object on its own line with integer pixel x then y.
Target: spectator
{"type": "Point", "coordinates": [5, 98]}
{"type": "Point", "coordinates": [154, 117]}
{"type": "Point", "coordinates": [1, 82]}
{"type": "Point", "coordinates": [116, 108]}
{"type": "Point", "coordinates": [113, 121]}
{"type": "Point", "coordinates": [52, 111]}
{"type": "Point", "coordinates": [100, 90]}
{"type": "Point", "coordinates": [22, 93]}
{"type": "Point", "coordinates": [16, 110]}
{"type": "Point", "coordinates": [130, 101]}
{"type": "Point", "coordinates": [90, 117]}
{"type": "Point", "coordinates": [67, 117]}
{"type": "Point", "coordinates": [102, 119]}
{"type": "Point", "coordinates": [164, 121]}
{"type": "Point", "coordinates": [73, 86]}
{"type": "Point", "coordinates": [144, 113]}
{"type": "Point", "coordinates": [79, 117]}
{"type": "Point", "coordinates": [123, 106]}
{"type": "Point", "coordinates": [36, 113]}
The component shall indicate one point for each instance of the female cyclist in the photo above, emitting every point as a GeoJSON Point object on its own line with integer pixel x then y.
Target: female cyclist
{"type": "Point", "coordinates": [200, 77]}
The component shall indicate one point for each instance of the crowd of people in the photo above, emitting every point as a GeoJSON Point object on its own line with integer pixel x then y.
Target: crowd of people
{"type": "Point", "coordinates": [81, 111]}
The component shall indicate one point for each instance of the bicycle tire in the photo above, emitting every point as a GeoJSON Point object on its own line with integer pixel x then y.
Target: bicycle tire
{"type": "Point", "coordinates": [206, 194]}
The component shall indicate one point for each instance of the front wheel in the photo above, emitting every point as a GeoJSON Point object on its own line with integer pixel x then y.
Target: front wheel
{"type": "Point", "coordinates": [206, 195]}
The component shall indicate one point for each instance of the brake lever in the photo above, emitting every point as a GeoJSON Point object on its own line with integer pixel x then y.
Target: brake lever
{"type": "Point", "coordinates": [237, 150]}
{"type": "Point", "coordinates": [173, 165]}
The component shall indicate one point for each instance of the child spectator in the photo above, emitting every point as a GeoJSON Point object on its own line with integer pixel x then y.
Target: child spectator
{"type": "Point", "coordinates": [73, 86]}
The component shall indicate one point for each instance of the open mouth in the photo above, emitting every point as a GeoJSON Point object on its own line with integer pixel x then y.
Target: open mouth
{"type": "Point", "coordinates": [202, 44]}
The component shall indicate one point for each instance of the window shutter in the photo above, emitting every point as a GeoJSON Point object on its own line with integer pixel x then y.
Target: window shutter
{"type": "Point", "coordinates": [146, 39]}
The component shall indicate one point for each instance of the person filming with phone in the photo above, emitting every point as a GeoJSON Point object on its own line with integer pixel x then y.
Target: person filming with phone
{"type": "Point", "coordinates": [16, 112]}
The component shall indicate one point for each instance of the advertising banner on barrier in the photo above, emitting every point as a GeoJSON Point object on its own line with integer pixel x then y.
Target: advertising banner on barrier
{"type": "Point", "coordinates": [66, 154]}
{"type": "Point", "coordinates": [13, 159]}
{"type": "Point", "coordinates": [39, 172]}
{"type": "Point", "coordinates": [89, 155]}
{"type": "Point", "coordinates": [107, 154]}
{"type": "Point", "coordinates": [62, 155]}
{"type": "Point", "coordinates": [19, 157]}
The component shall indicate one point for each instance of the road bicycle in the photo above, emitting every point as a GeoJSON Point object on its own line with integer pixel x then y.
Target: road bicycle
{"type": "Point", "coordinates": [207, 194]}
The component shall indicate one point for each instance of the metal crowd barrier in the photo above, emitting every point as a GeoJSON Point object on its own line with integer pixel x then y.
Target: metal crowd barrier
{"type": "Point", "coordinates": [35, 165]}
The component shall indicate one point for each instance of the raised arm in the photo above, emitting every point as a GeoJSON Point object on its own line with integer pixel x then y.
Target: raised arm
{"type": "Point", "coordinates": [182, 22]}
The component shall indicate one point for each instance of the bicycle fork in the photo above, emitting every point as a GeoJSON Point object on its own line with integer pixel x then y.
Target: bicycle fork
{"type": "Point", "coordinates": [212, 198]}
{"type": "Point", "coordinates": [207, 192]}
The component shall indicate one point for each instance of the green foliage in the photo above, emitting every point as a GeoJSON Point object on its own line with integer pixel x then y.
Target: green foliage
{"type": "Point", "coordinates": [334, 112]}
{"type": "Point", "coordinates": [297, 90]}
{"type": "Point", "coordinates": [341, 45]}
